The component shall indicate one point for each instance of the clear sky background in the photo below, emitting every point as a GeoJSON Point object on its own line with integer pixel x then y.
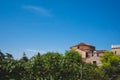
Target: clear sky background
{"type": "Point", "coordinates": [56, 25]}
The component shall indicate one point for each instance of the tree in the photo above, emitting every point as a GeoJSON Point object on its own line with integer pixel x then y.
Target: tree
{"type": "Point", "coordinates": [9, 56]}
{"type": "Point", "coordinates": [111, 64]}
{"type": "Point", "coordinates": [70, 67]}
{"type": "Point", "coordinates": [16, 68]}
{"type": "Point", "coordinates": [52, 65]}
{"type": "Point", "coordinates": [75, 69]}
{"type": "Point", "coordinates": [34, 67]}
{"type": "Point", "coordinates": [2, 55]}
{"type": "Point", "coordinates": [5, 60]}
{"type": "Point", "coordinates": [92, 72]}
{"type": "Point", "coordinates": [55, 66]}
{"type": "Point", "coordinates": [24, 58]}
{"type": "Point", "coordinates": [3, 71]}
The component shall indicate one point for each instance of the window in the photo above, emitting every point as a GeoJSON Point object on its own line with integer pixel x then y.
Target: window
{"type": "Point", "coordinates": [115, 52]}
{"type": "Point", "coordinates": [92, 53]}
{"type": "Point", "coordinates": [87, 55]}
{"type": "Point", "coordinates": [78, 47]}
{"type": "Point", "coordinates": [97, 54]}
{"type": "Point", "coordinates": [94, 62]}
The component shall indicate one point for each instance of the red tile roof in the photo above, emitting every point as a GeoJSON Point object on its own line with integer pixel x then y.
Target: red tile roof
{"type": "Point", "coordinates": [83, 44]}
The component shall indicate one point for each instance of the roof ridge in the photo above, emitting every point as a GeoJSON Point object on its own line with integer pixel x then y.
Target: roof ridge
{"type": "Point", "coordinates": [83, 43]}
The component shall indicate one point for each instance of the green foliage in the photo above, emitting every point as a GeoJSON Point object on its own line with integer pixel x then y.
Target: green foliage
{"type": "Point", "coordinates": [111, 64]}
{"type": "Point", "coordinates": [2, 56]}
{"type": "Point", "coordinates": [73, 56]}
{"type": "Point", "coordinates": [110, 59]}
{"type": "Point", "coordinates": [92, 72]}
{"type": "Point", "coordinates": [54, 66]}
{"type": "Point", "coordinates": [70, 66]}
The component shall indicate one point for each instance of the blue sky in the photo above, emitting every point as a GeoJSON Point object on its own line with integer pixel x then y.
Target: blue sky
{"type": "Point", "coordinates": [56, 25]}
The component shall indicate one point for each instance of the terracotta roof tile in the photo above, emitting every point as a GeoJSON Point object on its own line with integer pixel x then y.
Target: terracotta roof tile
{"type": "Point", "coordinates": [82, 44]}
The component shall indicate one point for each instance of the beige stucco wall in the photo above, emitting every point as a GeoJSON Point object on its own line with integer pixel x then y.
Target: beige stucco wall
{"type": "Point", "coordinates": [88, 49]}
{"type": "Point", "coordinates": [83, 54]}
{"type": "Point", "coordinates": [117, 50]}
{"type": "Point", "coordinates": [82, 49]}
{"type": "Point", "coordinates": [74, 48]}
{"type": "Point", "coordinates": [101, 54]}
{"type": "Point", "coordinates": [94, 58]}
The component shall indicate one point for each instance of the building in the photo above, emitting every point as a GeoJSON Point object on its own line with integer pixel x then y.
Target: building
{"type": "Point", "coordinates": [95, 59]}
{"type": "Point", "coordinates": [84, 49]}
{"type": "Point", "coordinates": [100, 53]}
{"type": "Point", "coordinates": [89, 53]}
{"type": "Point", "coordinates": [116, 49]}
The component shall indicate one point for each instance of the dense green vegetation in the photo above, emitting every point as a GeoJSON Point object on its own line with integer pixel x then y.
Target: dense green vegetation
{"type": "Point", "coordinates": [55, 66]}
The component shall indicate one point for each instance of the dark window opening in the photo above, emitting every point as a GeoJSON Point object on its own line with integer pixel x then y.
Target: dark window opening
{"type": "Point", "coordinates": [115, 52]}
{"type": "Point", "coordinates": [87, 55]}
{"type": "Point", "coordinates": [97, 54]}
{"type": "Point", "coordinates": [78, 47]}
{"type": "Point", "coordinates": [94, 62]}
{"type": "Point", "coordinates": [92, 54]}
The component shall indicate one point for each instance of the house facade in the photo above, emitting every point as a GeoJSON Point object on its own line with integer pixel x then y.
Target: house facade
{"type": "Point", "coordinates": [85, 49]}
{"type": "Point", "coordinates": [89, 53]}
{"type": "Point", "coordinates": [116, 49]}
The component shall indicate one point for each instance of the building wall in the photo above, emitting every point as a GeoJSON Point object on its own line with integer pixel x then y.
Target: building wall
{"type": "Point", "coordinates": [116, 51]}
{"type": "Point", "coordinates": [84, 49]}
{"type": "Point", "coordinates": [82, 53]}
{"type": "Point", "coordinates": [94, 56]}
{"type": "Point", "coordinates": [100, 54]}
{"type": "Point", "coordinates": [74, 48]}
{"type": "Point", "coordinates": [93, 59]}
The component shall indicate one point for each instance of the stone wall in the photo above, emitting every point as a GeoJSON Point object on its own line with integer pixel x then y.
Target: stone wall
{"type": "Point", "coordinates": [116, 51]}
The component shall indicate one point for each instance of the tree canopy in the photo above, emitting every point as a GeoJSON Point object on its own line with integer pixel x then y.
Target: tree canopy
{"type": "Point", "coordinates": [56, 66]}
{"type": "Point", "coordinates": [111, 65]}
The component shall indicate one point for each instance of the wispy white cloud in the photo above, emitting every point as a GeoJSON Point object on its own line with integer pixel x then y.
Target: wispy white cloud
{"type": "Point", "coordinates": [36, 51]}
{"type": "Point", "coordinates": [40, 10]}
